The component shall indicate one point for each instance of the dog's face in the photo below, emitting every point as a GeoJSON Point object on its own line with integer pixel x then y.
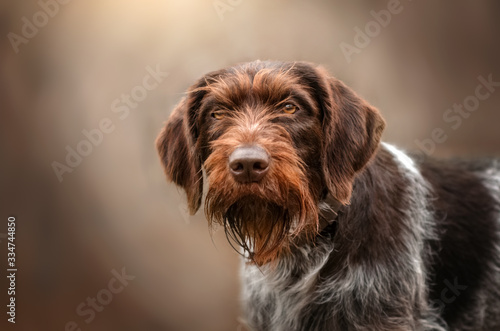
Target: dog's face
{"type": "Point", "coordinates": [273, 138]}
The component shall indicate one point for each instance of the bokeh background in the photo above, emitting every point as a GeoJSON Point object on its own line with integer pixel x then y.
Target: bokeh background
{"type": "Point", "coordinates": [115, 209]}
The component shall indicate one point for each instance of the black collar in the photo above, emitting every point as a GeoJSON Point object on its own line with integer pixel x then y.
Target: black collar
{"type": "Point", "coordinates": [329, 209]}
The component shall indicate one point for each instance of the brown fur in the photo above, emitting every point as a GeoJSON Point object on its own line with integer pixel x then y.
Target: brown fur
{"type": "Point", "coordinates": [310, 156]}
{"type": "Point", "coordinates": [417, 249]}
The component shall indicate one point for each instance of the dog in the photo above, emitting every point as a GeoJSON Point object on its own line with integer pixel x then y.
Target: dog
{"type": "Point", "coordinates": [338, 231]}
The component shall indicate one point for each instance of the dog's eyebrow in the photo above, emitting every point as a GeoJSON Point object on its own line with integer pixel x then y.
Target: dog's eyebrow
{"type": "Point", "coordinates": [303, 99]}
{"type": "Point", "coordinates": [212, 103]}
{"type": "Point", "coordinates": [297, 96]}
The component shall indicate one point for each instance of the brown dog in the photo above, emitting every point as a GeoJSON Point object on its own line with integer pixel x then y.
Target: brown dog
{"type": "Point", "coordinates": [339, 232]}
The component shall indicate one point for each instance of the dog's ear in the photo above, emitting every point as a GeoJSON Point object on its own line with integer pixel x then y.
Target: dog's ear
{"type": "Point", "coordinates": [181, 164]}
{"type": "Point", "coordinates": [351, 135]}
{"type": "Point", "coordinates": [176, 143]}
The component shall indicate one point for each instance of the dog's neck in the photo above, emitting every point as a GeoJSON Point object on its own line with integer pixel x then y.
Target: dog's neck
{"type": "Point", "coordinates": [329, 209]}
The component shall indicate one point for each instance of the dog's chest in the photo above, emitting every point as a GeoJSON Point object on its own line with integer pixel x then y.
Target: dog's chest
{"type": "Point", "coordinates": [283, 297]}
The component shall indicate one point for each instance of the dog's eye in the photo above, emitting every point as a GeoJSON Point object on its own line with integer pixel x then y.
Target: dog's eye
{"type": "Point", "coordinates": [290, 109]}
{"type": "Point", "coordinates": [218, 115]}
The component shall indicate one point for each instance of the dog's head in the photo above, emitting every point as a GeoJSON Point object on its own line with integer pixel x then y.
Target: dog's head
{"type": "Point", "coordinates": [273, 138]}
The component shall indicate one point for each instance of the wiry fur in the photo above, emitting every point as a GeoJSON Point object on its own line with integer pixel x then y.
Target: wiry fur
{"type": "Point", "coordinates": [355, 295]}
{"type": "Point", "coordinates": [415, 247]}
{"type": "Point", "coordinates": [283, 198]}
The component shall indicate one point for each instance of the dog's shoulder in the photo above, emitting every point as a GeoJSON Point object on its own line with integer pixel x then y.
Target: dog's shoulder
{"type": "Point", "coordinates": [465, 204]}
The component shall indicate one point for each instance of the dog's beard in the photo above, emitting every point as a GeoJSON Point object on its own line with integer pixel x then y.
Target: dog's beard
{"type": "Point", "coordinates": [263, 219]}
{"type": "Point", "coordinates": [267, 217]}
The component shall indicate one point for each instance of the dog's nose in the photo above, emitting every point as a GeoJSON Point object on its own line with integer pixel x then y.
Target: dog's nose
{"type": "Point", "coordinates": [248, 163]}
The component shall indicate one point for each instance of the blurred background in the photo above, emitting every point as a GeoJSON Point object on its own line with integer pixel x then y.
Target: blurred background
{"type": "Point", "coordinates": [67, 66]}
